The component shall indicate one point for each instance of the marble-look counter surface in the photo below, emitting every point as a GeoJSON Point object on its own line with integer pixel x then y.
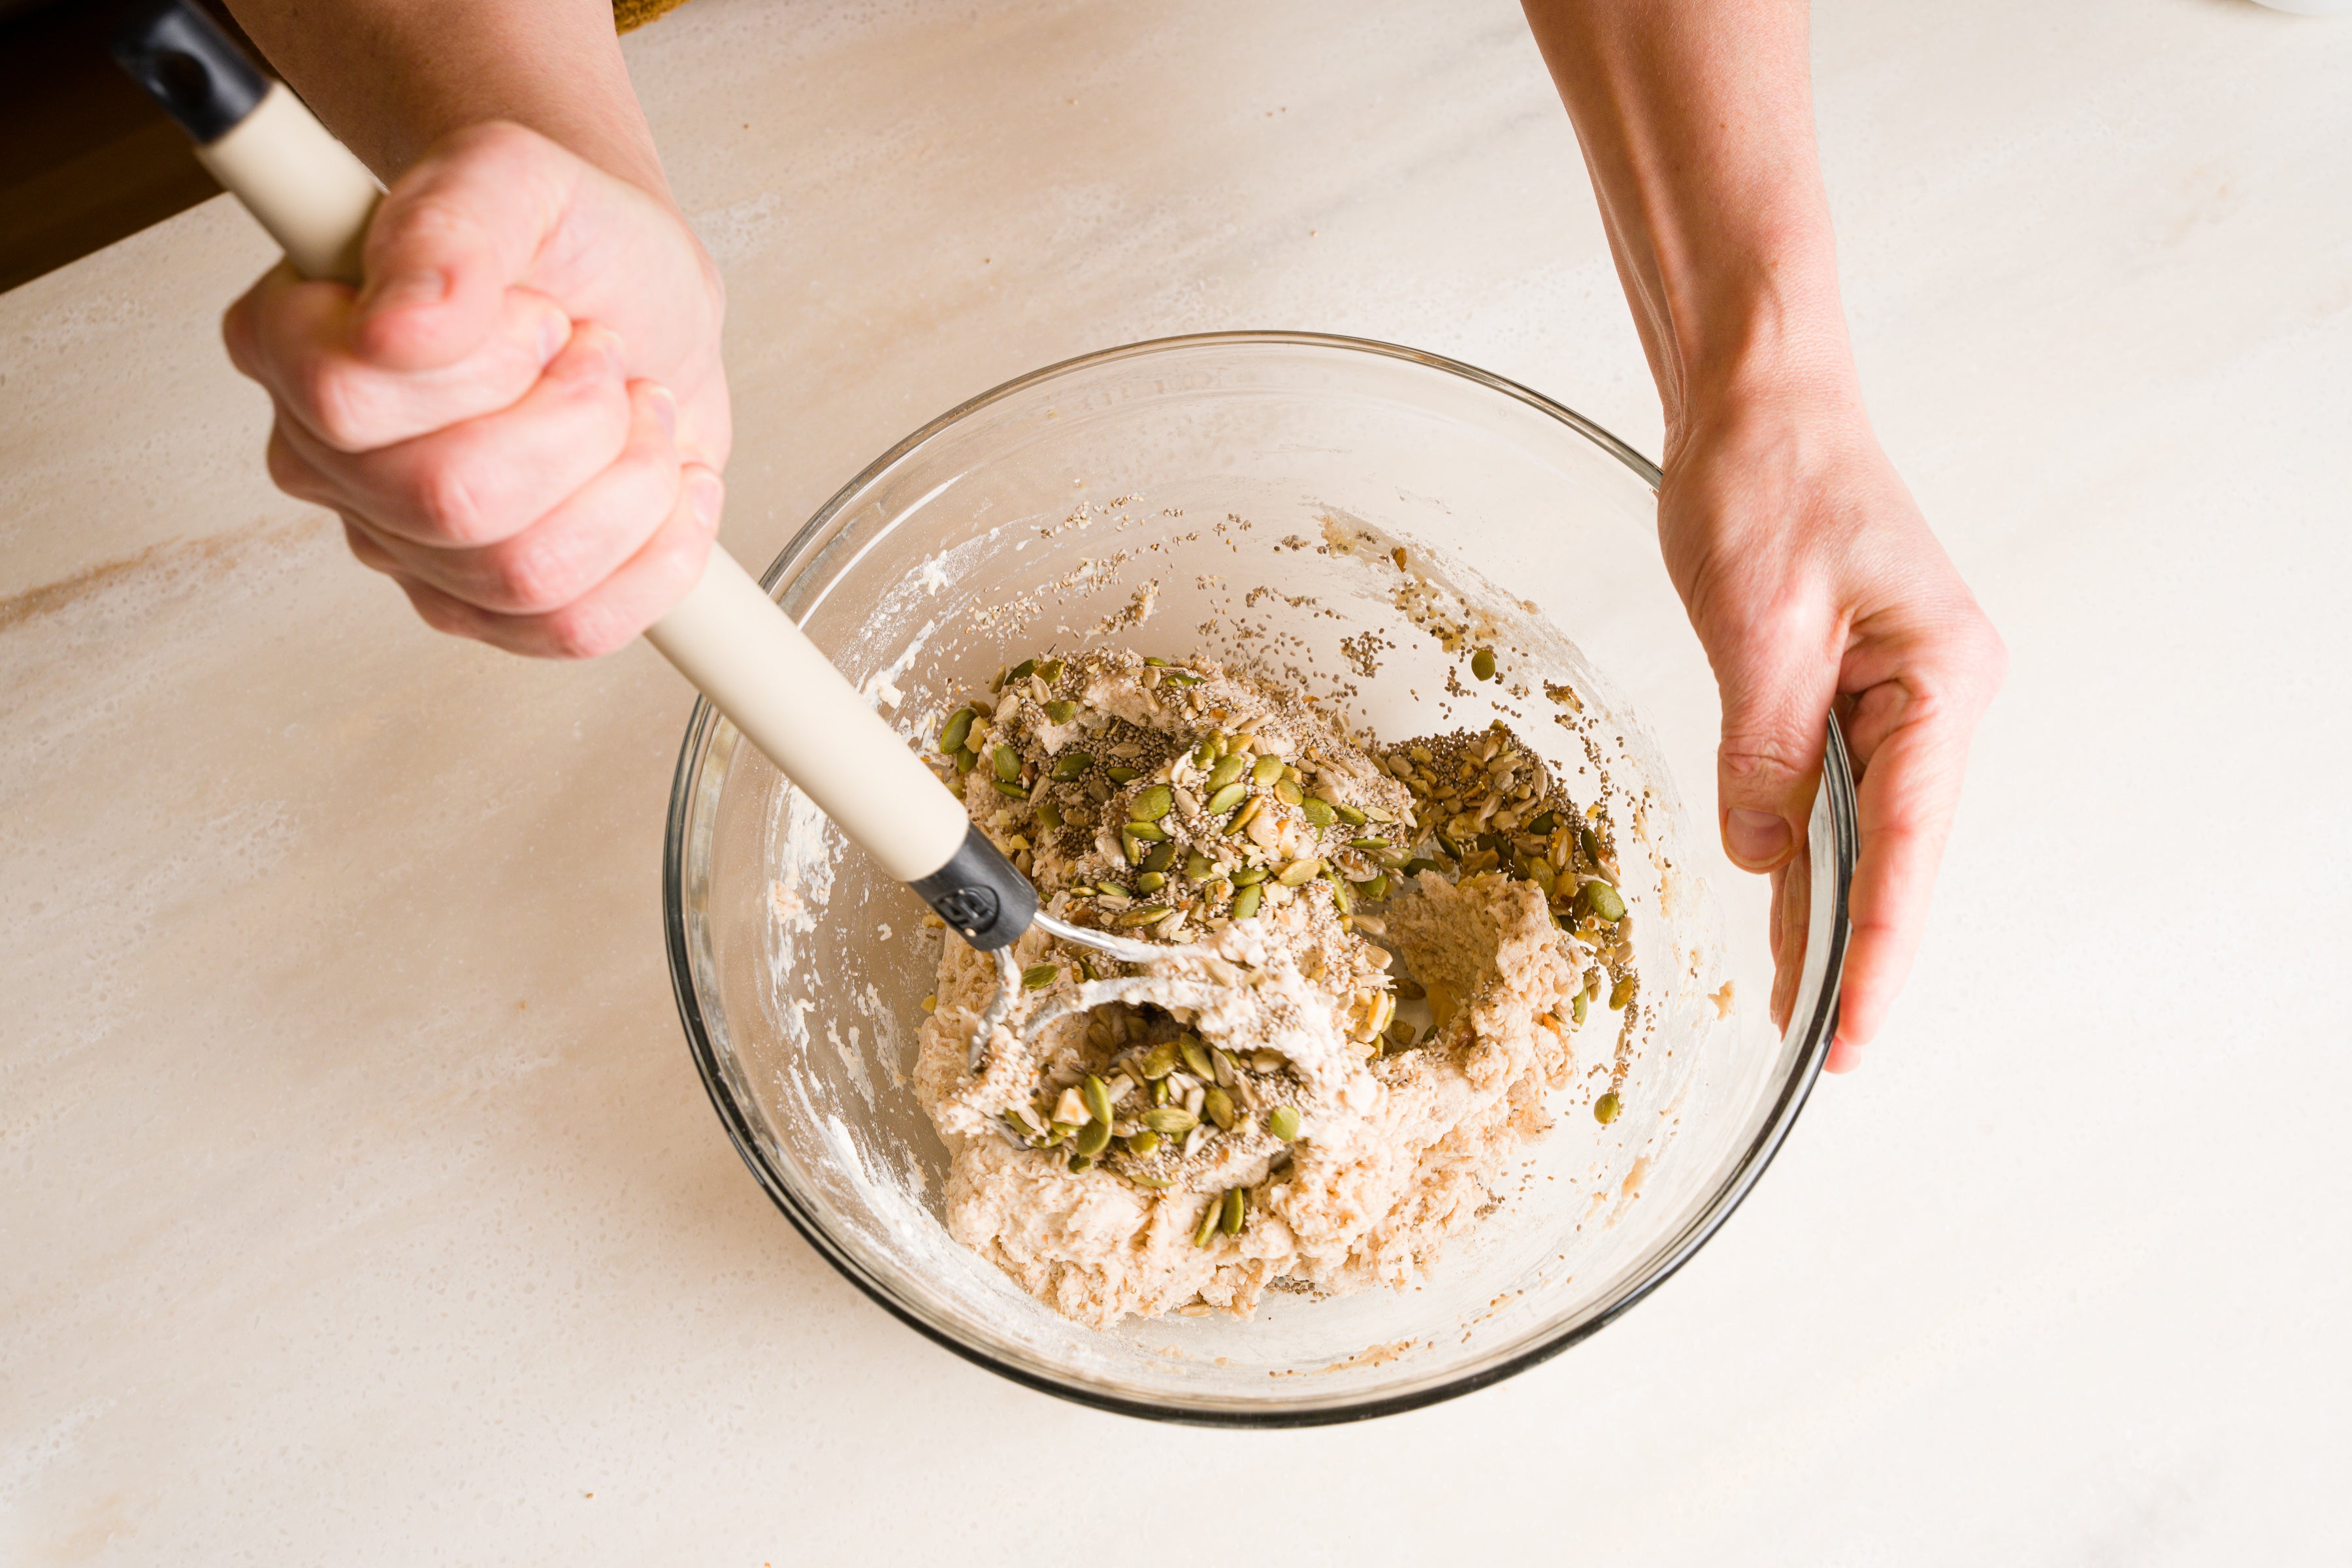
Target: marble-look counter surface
{"type": "Point", "coordinates": [358, 1202]}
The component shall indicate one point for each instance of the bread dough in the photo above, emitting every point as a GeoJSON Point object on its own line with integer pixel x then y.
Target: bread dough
{"type": "Point", "coordinates": [1312, 1004]}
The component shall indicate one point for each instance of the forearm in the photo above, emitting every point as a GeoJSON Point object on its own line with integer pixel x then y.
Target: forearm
{"type": "Point", "coordinates": [1696, 122]}
{"type": "Point", "coordinates": [391, 77]}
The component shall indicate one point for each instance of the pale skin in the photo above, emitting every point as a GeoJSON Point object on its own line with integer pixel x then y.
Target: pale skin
{"type": "Point", "coordinates": [522, 415]}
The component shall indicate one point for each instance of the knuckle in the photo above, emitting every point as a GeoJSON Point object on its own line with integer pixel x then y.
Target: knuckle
{"type": "Point", "coordinates": [1763, 758]}
{"type": "Point", "coordinates": [448, 504]}
{"type": "Point", "coordinates": [584, 631]}
{"type": "Point", "coordinates": [527, 578]}
{"type": "Point", "coordinates": [335, 405]}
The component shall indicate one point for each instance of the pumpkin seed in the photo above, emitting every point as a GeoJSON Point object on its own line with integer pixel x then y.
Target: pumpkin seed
{"type": "Point", "coordinates": [1244, 818]}
{"type": "Point", "coordinates": [1097, 1095]}
{"type": "Point", "coordinates": [1218, 1107]}
{"type": "Point", "coordinates": [1341, 899]}
{"type": "Point", "coordinates": [1092, 1139]}
{"type": "Point", "coordinates": [1159, 1061]}
{"type": "Point", "coordinates": [1150, 882]}
{"type": "Point", "coordinates": [1070, 766]}
{"type": "Point", "coordinates": [1150, 806]}
{"type": "Point", "coordinates": [1112, 889]}
{"type": "Point", "coordinates": [1227, 769]}
{"type": "Point", "coordinates": [959, 726]}
{"type": "Point", "coordinates": [1143, 1144]}
{"type": "Point", "coordinates": [1208, 1226]}
{"type": "Point", "coordinates": [1148, 832]}
{"type": "Point", "coordinates": [1225, 798]}
{"type": "Point", "coordinates": [1235, 1210]}
{"type": "Point", "coordinates": [1196, 1057]}
{"type": "Point", "coordinates": [1197, 867]}
{"type": "Point", "coordinates": [1482, 664]}
{"type": "Point", "coordinates": [1149, 914]}
{"type": "Point", "coordinates": [1021, 671]}
{"type": "Point", "coordinates": [1266, 770]}
{"type": "Point", "coordinates": [1283, 1123]}
{"type": "Point", "coordinates": [1319, 813]}
{"type": "Point", "coordinates": [966, 760]}
{"type": "Point", "coordinates": [1079, 1163]}
{"type": "Point", "coordinates": [1605, 1109]}
{"type": "Point", "coordinates": [1013, 790]}
{"type": "Point", "coordinates": [1288, 793]}
{"type": "Point", "coordinates": [1038, 976]}
{"type": "Point", "coordinates": [1145, 1179]}
{"type": "Point", "coordinates": [1370, 846]}
{"type": "Point", "coordinates": [1170, 1121]}
{"type": "Point", "coordinates": [1372, 891]}
{"type": "Point", "coordinates": [1266, 1061]}
{"type": "Point", "coordinates": [1621, 994]}
{"type": "Point", "coordinates": [1160, 1092]}
{"type": "Point", "coordinates": [1545, 826]}
{"type": "Point", "coordinates": [1577, 1007]}
{"type": "Point", "coordinates": [1245, 902]}
{"type": "Point", "coordinates": [1006, 761]}
{"type": "Point", "coordinates": [1249, 876]}
{"type": "Point", "coordinates": [1298, 873]}
{"type": "Point", "coordinates": [1590, 842]}
{"type": "Point", "coordinates": [1062, 710]}
{"type": "Point", "coordinates": [1348, 814]}
{"type": "Point", "coordinates": [1123, 775]}
{"type": "Point", "coordinates": [1051, 670]}
{"type": "Point", "coordinates": [1161, 857]}
{"type": "Point", "coordinates": [1602, 901]}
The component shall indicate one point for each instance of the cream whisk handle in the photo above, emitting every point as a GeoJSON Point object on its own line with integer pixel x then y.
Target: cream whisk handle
{"type": "Point", "coordinates": [761, 670]}
{"type": "Point", "coordinates": [726, 636]}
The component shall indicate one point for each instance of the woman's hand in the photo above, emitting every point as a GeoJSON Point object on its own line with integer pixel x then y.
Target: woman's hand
{"type": "Point", "coordinates": [1812, 579]}
{"type": "Point", "coordinates": [521, 415]}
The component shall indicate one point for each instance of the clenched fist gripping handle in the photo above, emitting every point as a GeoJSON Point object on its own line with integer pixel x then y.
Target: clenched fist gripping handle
{"type": "Point", "coordinates": [727, 637]}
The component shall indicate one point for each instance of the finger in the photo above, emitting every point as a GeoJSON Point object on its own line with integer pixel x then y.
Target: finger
{"type": "Point", "coordinates": [295, 337]}
{"type": "Point", "coordinates": [561, 556]}
{"type": "Point", "coordinates": [465, 224]}
{"type": "Point", "coordinates": [1777, 685]}
{"type": "Point", "coordinates": [1907, 797]}
{"type": "Point", "coordinates": [625, 603]}
{"type": "Point", "coordinates": [482, 480]}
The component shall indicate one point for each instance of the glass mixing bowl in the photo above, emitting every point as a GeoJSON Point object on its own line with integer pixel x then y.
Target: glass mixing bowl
{"type": "Point", "coordinates": [1259, 483]}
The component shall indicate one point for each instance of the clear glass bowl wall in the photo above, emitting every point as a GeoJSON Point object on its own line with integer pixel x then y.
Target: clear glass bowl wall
{"type": "Point", "coordinates": [800, 967]}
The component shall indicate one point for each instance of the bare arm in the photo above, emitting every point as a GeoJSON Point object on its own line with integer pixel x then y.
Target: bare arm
{"type": "Point", "coordinates": [522, 414]}
{"type": "Point", "coordinates": [1808, 572]}
{"type": "Point", "coordinates": [391, 78]}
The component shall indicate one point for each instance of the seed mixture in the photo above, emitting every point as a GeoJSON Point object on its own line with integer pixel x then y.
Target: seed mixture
{"type": "Point", "coordinates": [1405, 944]}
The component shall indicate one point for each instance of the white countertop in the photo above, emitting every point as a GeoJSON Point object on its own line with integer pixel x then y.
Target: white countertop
{"type": "Point", "coordinates": [359, 1203]}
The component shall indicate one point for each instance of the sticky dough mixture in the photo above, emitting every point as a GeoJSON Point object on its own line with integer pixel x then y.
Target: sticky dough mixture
{"type": "Point", "coordinates": [1380, 960]}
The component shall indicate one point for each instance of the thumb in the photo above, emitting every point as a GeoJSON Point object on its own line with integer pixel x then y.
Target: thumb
{"type": "Point", "coordinates": [451, 237]}
{"type": "Point", "coordinates": [1776, 705]}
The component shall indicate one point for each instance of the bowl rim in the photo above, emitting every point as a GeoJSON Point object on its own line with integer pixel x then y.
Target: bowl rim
{"type": "Point", "coordinates": [1837, 783]}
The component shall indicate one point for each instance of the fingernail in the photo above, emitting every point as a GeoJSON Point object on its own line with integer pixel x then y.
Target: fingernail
{"type": "Point", "coordinates": [665, 410]}
{"type": "Point", "coordinates": [703, 494]}
{"type": "Point", "coordinates": [1757, 838]}
{"type": "Point", "coordinates": [403, 290]}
